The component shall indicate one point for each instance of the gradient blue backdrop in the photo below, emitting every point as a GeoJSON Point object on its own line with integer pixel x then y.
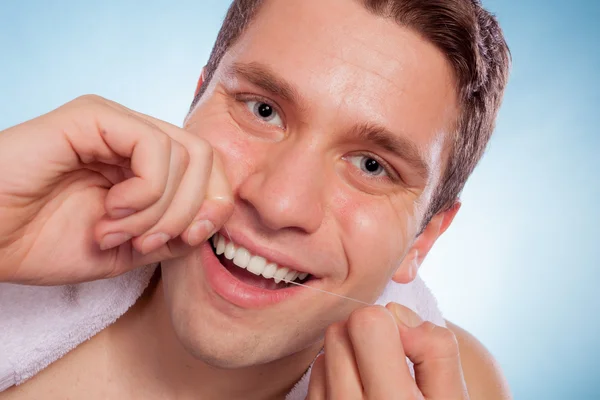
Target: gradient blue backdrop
{"type": "Point", "coordinates": [519, 268]}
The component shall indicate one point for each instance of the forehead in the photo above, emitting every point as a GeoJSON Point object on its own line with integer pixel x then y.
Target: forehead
{"type": "Point", "coordinates": [367, 68]}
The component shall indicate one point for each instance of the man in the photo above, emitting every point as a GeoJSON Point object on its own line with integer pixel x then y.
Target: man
{"type": "Point", "coordinates": [327, 143]}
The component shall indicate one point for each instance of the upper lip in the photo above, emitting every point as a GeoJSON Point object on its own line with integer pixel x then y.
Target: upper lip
{"type": "Point", "coordinates": [271, 255]}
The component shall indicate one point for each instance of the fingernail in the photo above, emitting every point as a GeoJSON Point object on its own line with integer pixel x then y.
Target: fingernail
{"type": "Point", "coordinates": [200, 231]}
{"type": "Point", "coordinates": [154, 241]}
{"type": "Point", "coordinates": [405, 315]}
{"type": "Point", "coordinates": [119, 213]}
{"type": "Point", "coordinates": [113, 240]}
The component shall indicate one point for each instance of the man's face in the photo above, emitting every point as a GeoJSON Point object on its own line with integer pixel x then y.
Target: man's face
{"type": "Point", "coordinates": [331, 124]}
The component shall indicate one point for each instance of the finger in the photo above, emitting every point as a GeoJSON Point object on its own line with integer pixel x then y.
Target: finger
{"type": "Point", "coordinates": [404, 315]}
{"type": "Point", "coordinates": [172, 249]}
{"type": "Point", "coordinates": [106, 136]}
{"type": "Point", "coordinates": [113, 232]}
{"type": "Point", "coordinates": [218, 205]}
{"type": "Point", "coordinates": [317, 388]}
{"type": "Point", "coordinates": [219, 198]}
{"type": "Point", "coordinates": [380, 357]}
{"type": "Point", "coordinates": [216, 209]}
{"type": "Point", "coordinates": [434, 351]}
{"type": "Point", "coordinates": [187, 200]}
{"type": "Point", "coordinates": [114, 174]}
{"type": "Point", "coordinates": [173, 131]}
{"type": "Point", "coordinates": [343, 378]}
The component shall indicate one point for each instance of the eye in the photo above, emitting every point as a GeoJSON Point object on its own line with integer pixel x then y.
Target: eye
{"type": "Point", "coordinates": [369, 165]}
{"type": "Point", "coordinates": [265, 112]}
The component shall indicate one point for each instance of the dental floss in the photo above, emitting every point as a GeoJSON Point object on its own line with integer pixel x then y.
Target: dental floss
{"type": "Point", "coordinates": [227, 232]}
{"type": "Point", "coordinates": [331, 293]}
{"type": "Point", "coordinates": [310, 287]}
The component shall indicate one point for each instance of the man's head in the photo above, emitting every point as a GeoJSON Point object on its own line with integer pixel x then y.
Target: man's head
{"type": "Point", "coordinates": [472, 41]}
{"type": "Point", "coordinates": [347, 129]}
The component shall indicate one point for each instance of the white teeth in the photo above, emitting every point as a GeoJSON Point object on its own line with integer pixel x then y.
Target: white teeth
{"type": "Point", "coordinates": [220, 245]}
{"type": "Point", "coordinates": [229, 251]}
{"type": "Point", "coordinates": [242, 257]}
{"type": "Point", "coordinates": [269, 271]}
{"type": "Point", "coordinates": [291, 276]}
{"type": "Point", "coordinates": [303, 275]}
{"type": "Point", "coordinates": [255, 264]}
{"type": "Point", "coordinates": [280, 274]}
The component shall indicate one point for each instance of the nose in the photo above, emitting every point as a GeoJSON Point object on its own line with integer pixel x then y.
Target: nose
{"type": "Point", "coordinates": [286, 188]}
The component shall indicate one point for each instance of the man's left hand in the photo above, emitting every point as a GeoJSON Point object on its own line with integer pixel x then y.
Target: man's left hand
{"type": "Point", "coordinates": [365, 358]}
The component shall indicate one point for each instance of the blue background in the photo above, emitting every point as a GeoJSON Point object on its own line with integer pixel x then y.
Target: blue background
{"type": "Point", "coordinates": [519, 267]}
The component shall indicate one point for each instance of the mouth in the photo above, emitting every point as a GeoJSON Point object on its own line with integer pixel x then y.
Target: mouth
{"type": "Point", "coordinates": [253, 269]}
{"type": "Point", "coordinates": [251, 278]}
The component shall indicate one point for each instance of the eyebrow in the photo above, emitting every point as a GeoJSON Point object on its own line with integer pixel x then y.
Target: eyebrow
{"type": "Point", "coordinates": [395, 144]}
{"type": "Point", "coordinates": [265, 78]}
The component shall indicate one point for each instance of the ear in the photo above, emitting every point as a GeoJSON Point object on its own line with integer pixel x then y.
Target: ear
{"type": "Point", "coordinates": [407, 271]}
{"type": "Point", "coordinates": [200, 81]}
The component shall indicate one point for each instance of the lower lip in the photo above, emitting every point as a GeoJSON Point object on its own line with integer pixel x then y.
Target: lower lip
{"type": "Point", "coordinates": [235, 291]}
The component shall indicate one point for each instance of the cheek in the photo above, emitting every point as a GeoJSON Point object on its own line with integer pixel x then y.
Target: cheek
{"type": "Point", "coordinates": [374, 237]}
{"type": "Point", "coordinates": [228, 140]}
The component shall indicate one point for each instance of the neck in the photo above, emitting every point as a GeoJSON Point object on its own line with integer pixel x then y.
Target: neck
{"type": "Point", "coordinates": [147, 345]}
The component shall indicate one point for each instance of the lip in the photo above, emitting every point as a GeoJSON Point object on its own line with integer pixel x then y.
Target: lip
{"type": "Point", "coordinates": [274, 256]}
{"type": "Point", "coordinates": [231, 289]}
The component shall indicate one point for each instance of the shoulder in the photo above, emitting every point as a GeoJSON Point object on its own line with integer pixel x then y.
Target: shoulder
{"type": "Point", "coordinates": [482, 373]}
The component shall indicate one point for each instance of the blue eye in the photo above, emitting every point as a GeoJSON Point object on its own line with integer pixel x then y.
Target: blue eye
{"type": "Point", "coordinates": [368, 165]}
{"type": "Point", "coordinates": [265, 112]}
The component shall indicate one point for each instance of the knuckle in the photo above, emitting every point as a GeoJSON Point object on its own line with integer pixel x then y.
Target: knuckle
{"type": "Point", "coordinates": [155, 191]}
{"type": "Point", "coordinates": [182, 154]}
{"type": "Point", "coordinates": [444, 342]}
{"type": "Point", "coordinates": [201, 154]}
{"type": "Point", "coordinates": [88, 100]}
{"type": "Point", "coordinates": [367, 316]}
{"type": "Point", "coordinates": [111, 270]}
{"type": "Point", "coordinates": [200, 148]}
{"type": "Point", "coordinates": [164, 141]}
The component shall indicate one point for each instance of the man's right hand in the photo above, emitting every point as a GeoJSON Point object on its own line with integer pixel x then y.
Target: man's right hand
{"type": "Point", "coordinates": [93, 190]}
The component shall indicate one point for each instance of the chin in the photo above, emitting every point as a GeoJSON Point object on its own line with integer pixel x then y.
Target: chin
{"type": "Point", "coordinates": [225, 335]}
{"type": "Point", "coordinates": [226, 345]}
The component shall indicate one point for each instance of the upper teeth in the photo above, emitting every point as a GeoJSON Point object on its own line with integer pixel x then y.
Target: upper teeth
{"type": "Point", "coordinates": [256, 264]}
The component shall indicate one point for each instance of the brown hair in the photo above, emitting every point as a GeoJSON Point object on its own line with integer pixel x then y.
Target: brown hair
{"type": "Point", "coordinates": [473, 43]}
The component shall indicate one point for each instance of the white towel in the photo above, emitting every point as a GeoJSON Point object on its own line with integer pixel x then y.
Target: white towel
{"type": "Point", "coordinates": [38, 325]}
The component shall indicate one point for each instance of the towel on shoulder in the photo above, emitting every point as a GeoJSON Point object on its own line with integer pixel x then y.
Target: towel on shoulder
{"type": "Point", "coordinates": [39, 325]}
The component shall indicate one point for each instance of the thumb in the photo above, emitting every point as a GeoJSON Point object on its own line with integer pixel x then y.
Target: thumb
{"type": "Point", "coordinates": [217, 207]}
{"type": "Point", "coordinates": [434, 351]}
{"type": "Point", "coordinates": [214, 212]}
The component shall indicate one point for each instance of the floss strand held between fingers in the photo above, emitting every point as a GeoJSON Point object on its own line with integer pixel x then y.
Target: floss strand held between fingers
{"type": "Point", "coordinates": [330, 293]}
{"type": "Point", "coordinates": [227, 232]}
